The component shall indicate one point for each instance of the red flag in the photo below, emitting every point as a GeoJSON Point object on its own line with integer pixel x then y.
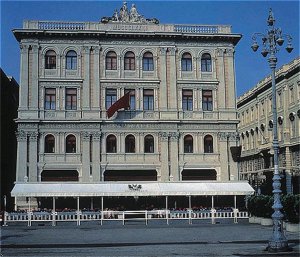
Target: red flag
{"type": "Point", "coordinates": [123, 102]}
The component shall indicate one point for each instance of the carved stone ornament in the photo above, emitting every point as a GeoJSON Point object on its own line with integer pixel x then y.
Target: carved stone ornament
{"type": "Point", "coordinates": [135, 187]}
{"type": "Point", "coordinates": [85, 136]}
{"type": "Point", "coordinates": [129, 16]}
{"type": "Point", "coordinates": [21, 135]}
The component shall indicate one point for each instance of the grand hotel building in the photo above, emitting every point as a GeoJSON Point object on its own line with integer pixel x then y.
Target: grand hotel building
{"type": "Point", "coordinates": [256, 134]}
{"type": "Point", "coordinates": [182, 119]}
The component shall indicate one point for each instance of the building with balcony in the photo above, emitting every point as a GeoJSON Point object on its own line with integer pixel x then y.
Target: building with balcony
{"type": "Point", "coordinates": [255, 129]}
{"type": "Point", "coordinates": [182, 118]}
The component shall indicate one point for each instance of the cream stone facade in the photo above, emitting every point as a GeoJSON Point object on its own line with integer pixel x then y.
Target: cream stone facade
{"type": "Point", "coordinates": [182, 120]}
{"type": "Point", "coordinates": [255, 128]}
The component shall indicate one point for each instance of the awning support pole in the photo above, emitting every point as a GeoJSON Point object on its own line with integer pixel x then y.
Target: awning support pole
{"type": "Point", "coordinates": [29, 212]}
{"type": "Point", "coordinates": [53, 211]}
{"type": "Point", "coordinates": [92, 203]}
{"type": "Point", "coordinates": [235, 211]}
{"type": "Point", "coordinates": [101, 210]}
{"type": "Point", "coordinates": [167, 216]}
{"type": "Point", "coordinates": [190, 209]}
{"type": "Point", "coordinates": [213, 211]}
{"type": "Point", "coordinates": [78, 212]}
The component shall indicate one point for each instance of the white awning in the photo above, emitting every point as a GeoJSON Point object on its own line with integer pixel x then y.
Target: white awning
{"type": "Point", "coordinates": [184, 188]}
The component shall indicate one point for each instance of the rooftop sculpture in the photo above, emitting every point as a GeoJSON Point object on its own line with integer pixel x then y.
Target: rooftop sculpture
{"type": "Point", "coordinates": [129, 16]}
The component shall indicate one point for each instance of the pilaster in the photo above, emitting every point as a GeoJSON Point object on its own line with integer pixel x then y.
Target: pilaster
{"type": "Point", "coordinates": [96, 136]}
{"type": "Point", "coordinates": [221, 77]}
{"type": "Point", "coordinates": [164, 156]}
{"type": "Point", "coordinates": [85, 136]}
{"type": "Point", "coordinates": [95, 73]}
{"type": "Point", "coordinates": [34, 79]}
{"type": "Point", "coordinates": [24, 77]}
{"type": "Point", "coordinates": [173, 76]}
{"type": "Point", "coordinates": [174, 169]}
{"type": "Point", "coordinates": [21, 156]}
{"type": "Point", "coordinates": [230, 75]}
{"type": "Point", "coordinates": [86, 80]}
{"type": "Point", "coordinates": [163, 79]}
{"type": "Point", "coordinates": [33, 153]}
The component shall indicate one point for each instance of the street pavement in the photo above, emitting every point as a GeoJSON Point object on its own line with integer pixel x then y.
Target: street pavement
{"type": "Point", "coordinates": [137, 239]}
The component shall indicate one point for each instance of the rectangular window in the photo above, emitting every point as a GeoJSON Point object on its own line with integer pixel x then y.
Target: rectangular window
{"type": "Point", "coordinates": [50, 95]}
{"type": "Point", "coordinates": [71, 99]}
{"type": "Point", "coordinates": [187, 100]}
{"type": "Point", "coordinates": [148, 99]}
{"type": "Point", "coordinates": [207, 100]}
{"type": "Point", "coordinates": [131, 98]}
{"type": "Point", "coordinates": [110, 98]}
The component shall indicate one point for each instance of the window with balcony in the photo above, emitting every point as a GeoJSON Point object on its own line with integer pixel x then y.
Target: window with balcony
{"type": "Point", "coordinates": [130, 144]}
{"type": "Point", "coordinates": [71, 99]}
{"type": "Point", "coordinates": [71, 60]}
{"type": "Point", "coordinates": [111, 61]}
{"type": "Point", "coordinates": [149, 144]}
{"type": "Point", "coordinates": [207, 100]}
{"type": "Point", "coordinates": [148, 99]}
{"type": "Point", "coordinates": [187, 100]}
{"type": "Point", "coordinates": [49, 144]}
{"type": "Point", "coordinates": [110, 97]}
{"type": "Point", "coordinates": [50, 60]}
{"type": "Point", "coordinates": [148, 64]}
{"type": "Point", "coordinates": [50, 98]}
{"type": "Point", "coordinates": [206, 63]}
{"type": "Point", "coordinates": [129, 61]}
{"type": "Point", "coordinates": [186, 62]}
{"type": "Point", "coordinates": [71, 144]}
{"type": "Point", "coordinates": [111, 144]}
{"type": "Point", "coordinates": [208, 144]}
{"type": "Point", "coordinates": [188, 144]}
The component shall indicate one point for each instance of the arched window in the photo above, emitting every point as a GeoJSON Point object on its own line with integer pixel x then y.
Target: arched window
{"type": "Point", "coordinates": [111, 61]}
{"type": "Point", "coordinates": [148, 62]}
{"type": "Point", "coordinates": [186, 62]}
{"type": "Point", "coordinates": [71, 60]}
{"type": "Point", "coordinates": [149, 144]}
{"type": "Point", "coordinates": [188, 144]}
{"type": "Point", "coordinates": [49, 144]}
{"type": "Point", "coordinates": [130, 144]}
{"type": "Point", "coordinates": [111, 144]}
{"type": "Point", "coordinates": [71, 144]}
{"type": "Point", "coordinates": [208, 144]}
{"type": "Point", "coordinates": [206, 63]}
{"type": "Point", "coordinates": [50, 60]}
{"type": "Point", "coordinates": [129, 61]}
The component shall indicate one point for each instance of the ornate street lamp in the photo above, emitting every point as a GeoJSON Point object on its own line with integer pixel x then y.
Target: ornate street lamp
{"type": "Point", "coordinates": [271, 40]}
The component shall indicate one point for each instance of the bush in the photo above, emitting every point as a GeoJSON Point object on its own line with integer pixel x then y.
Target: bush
{"type": "Point", "coordinates": [290, 205]}
{"type": "Point", "coordinates": [261, 206]}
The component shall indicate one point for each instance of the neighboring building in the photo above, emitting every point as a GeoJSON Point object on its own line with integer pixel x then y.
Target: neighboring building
{"type": "Point", "coordinates": [9, 112]}
{"type": "Point", "coordinates": [182, 119]}
{"type": "Point", "coordinates": [255, 128]}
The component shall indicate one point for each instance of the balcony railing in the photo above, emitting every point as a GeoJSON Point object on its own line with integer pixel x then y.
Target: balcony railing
{"type": "Point", "coordinates": [135, 27]}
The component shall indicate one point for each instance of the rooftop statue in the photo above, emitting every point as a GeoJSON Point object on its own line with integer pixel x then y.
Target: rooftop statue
{"type": "Point", "coordinates": [131, 16]}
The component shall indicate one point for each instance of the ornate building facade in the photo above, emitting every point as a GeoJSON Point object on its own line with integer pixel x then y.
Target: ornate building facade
{"type": "Point", "coordinates": [255, 128]}
{"type": "Point", "coordinates": [182, 118]}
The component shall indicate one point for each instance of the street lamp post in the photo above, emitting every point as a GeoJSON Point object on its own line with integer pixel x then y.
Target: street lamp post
{"type": "Point", "coordinates": [271, 40]}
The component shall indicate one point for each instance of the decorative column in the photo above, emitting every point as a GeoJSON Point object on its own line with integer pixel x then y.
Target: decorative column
{"type": "Point", "coordinates": [33, 152]}
{"type": "Point", "coordinates": [96, 156]}
{"type": "Point", "coordinates": [85, 156]}
{"type": "Point", "coordinates": [86, 79]}
{"type": "Point", "coordinates": [96, 73]}
{"type": "Point", "coordinates": [163, 79]}
{"type": "Point", "coordinates": [24, 77]}
{"type": "Point", "coordinates": [230, 87]}
{"type": "Point", "coordinates": [21, 156]}
{"type": "Point", "coordinates": [225, 165]}
{"type": "Point", "coordinates": [221, 78]}
{"type": "Point", "coordinates": [164, 156]}
{"type": "Point", "coordinates": [173, 76]}
{"type": "Point", "coordinates": [34, 80]}
{"type": "Point", "coordinates": [174, 176]}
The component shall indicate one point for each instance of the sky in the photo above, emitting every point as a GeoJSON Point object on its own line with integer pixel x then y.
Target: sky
{"type": "Point", "coordinates": [245, 17]}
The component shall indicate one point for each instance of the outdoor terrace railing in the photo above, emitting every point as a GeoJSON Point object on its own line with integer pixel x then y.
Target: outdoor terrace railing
{"type": "Point", "coordinates": [145, 215]}
{"type": "Point", "coordinates": [120, 26]}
